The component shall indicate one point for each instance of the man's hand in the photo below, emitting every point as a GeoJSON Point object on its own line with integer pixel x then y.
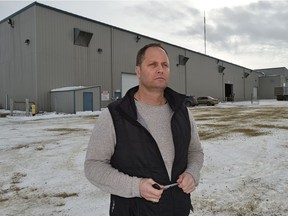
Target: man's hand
{"type": "Point", "coordinates": [148, 192]}
{"type": "Point", "coordinates": [186, 182]}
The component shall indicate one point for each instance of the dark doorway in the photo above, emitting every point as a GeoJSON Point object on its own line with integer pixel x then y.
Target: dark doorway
{"type": "Point", "coordinates": [87, 101]}
{"type": "Point", "coordinates": [229, 95]}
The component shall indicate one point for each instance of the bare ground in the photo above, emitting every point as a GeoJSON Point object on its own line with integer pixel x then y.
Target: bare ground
{"type": "Point", "coordinates": [245, 170]}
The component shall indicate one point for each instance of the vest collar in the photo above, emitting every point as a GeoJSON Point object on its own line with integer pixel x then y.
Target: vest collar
{"type": "Point", "coordinates": [128, 107]}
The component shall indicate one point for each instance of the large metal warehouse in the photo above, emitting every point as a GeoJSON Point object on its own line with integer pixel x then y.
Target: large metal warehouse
{"type": "Point", "coordinates": [44, 48]}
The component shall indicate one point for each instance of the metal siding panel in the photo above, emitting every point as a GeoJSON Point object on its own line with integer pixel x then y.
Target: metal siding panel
{"type": "Point", "coordinates": [177, 73]}
{"type": "Point", "coordinates": [234, 75]}
{"type": "Point", "coordinates": [267, 85]}
{"type": "Point", "coordinates": [63, 102]}
{"type": "Point", "coordinates": [60, 62]}
{"type": "Point", "coordinates": [97, 98]}
{"type": "Point", "coordinates": [250, 82]}
{"type": "Point", "coordinates": [125, 49]}
{"type": "Point", "coordinates": [79, 100]}
{"type": "Point", "coordinates": [52, 60]}
{"type": "Point", "coordinates": [17, 58]}
{"type": "Point", "coordinates": [203, 77]}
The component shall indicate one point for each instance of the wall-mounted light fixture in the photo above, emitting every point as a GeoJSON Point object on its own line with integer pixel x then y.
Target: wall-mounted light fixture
{"type": "Point", "coordinates": [221, 68]}
{"type": "Point", "coordinates": [27, 41]}
{"type": "Point", "coordinates": [82, 38]}
{"type": "Point", "coordinates": [11, 22]}
{"type": "Point", "coordinates": [99, 50]}
{"type": "Point", "coordinates": [138, 37]}
{"type": "Point", "coordinates": [182, 60]}
{"type": "Point", "coordinates": [246, 74]}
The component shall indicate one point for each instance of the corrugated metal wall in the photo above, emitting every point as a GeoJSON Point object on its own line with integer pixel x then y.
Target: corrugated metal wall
{"type": "Point", "coordinates": [63, 102]}
{"type": "Point", "coordinates": [267, 85]}
{"type": "Point", "coordinates": [51, 60]}
{"type": "Point", "coordinates": [17, 58]}
{"type": "Point", "coordinates": [177, 72]}
{"type": "Point", "coordinates": [73, 65]}
{"type": "Point", "coordinates": [203, 77]}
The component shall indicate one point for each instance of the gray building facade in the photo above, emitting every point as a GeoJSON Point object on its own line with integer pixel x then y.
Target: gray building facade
{"type": "Point", "coordinates": [269, 78]}
{"type": "Point", "coordinates": [43, 48]}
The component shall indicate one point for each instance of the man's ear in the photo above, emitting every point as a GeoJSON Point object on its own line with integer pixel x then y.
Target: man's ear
{"type": "Point", "coordinates": [138, 71]}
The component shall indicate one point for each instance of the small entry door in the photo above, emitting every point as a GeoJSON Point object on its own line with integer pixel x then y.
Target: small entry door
{"type": "Point", "coordinates": [87, 101]}
{"type": "Point", "coordinates": [229, 94]}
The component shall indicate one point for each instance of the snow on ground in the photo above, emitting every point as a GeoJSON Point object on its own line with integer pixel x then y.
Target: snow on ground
{"type": "Point", "coordinates": [245, 169]}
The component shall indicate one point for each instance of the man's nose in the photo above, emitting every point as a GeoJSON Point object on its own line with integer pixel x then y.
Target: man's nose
{"type": "Point", "coordinates": [160, 69]}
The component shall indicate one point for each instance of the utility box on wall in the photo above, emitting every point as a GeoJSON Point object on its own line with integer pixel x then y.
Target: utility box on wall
{"type": "Point", "coordinates": [76, 99]}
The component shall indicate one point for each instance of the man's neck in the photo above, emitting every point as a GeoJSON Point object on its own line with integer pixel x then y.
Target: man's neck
{"type": "Point", "coordinates": [150, 97]}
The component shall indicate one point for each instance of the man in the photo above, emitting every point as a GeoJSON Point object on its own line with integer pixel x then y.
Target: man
{"type": "Point", "coordinates": [145, 141]}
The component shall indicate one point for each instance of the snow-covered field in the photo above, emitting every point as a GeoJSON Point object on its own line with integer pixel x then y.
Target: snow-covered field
{"type": "Point", "coordinates": [245, 170]}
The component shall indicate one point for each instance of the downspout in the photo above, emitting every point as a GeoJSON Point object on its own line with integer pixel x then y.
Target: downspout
{"type": "Point", "coordinates": [244, 87]}
{"type": "Point", "coordinates": [74, 102]}
{"type": "Point", "coordinates": [36, 61]}
{"type": "Point", "coordinates": [185, 75]}
{"type": "Point", "coordinates": [112, 62]}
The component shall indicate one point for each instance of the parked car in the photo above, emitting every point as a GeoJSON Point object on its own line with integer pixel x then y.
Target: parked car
{"type": "Point", "coordinates": [190, 101]}
{"type": "Point", "coordinates": [208, 100]}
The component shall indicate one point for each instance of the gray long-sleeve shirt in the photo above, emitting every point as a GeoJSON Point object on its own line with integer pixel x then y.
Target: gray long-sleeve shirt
{"type": "Point", "coordinates": [101, 146]}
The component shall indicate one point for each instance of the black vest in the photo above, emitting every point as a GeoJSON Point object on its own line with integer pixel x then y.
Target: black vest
{"type": "Point", "coordinates": [137, 154]}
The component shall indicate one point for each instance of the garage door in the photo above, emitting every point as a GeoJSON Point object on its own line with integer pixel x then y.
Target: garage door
{"type": "Point", "coordinates": [128, 81]}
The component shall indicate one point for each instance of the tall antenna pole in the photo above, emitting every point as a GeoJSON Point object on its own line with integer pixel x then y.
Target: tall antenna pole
{"type": "Point", "coordinates": [204, 33]}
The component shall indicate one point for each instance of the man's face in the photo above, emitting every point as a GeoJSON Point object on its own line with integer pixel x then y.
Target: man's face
{"type": "Point", "coordinates": [154, 72]}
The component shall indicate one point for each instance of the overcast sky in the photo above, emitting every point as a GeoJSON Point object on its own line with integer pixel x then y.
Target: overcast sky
{"type": "Point", "coordinates": [250, 33]}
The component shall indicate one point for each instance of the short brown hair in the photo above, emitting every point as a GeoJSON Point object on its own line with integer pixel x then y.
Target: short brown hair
{"type": "Point", "coordinates": [141, 52]}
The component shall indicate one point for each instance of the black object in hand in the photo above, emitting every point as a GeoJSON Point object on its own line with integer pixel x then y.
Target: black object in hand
{"type": "Point", "coordinates": [156, 186]}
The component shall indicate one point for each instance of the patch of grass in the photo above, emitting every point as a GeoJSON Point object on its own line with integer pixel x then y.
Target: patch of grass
{"type": "Point", "coordinates": [202, 118]}
{"type": "Point", "coordinates": [91, 117]}
{"type": "Point", "coordinates": [271, 126]}
{"type": "Point", "coordinates": [3, 199]}
{"type": "Point", "coordinates": [20, 146]}
{"type": "Point", "coordinates": [250, 132]}
{"type": "Point", "coordinates": [12, 188]}
{"type": "Point", "coordinates": [44, 195]}
{"type": "Point", "coordinates": [205, 135]}
{"type": "Point", "coordinates": [65, 195]}
{"type": "Point", "coordinates": [60, 204]}
{"type": "Point", "coordinates": [216, 125]}
{"type": "Point", "coordinates": [64, 131]}
{"type": "Point", "coordinates": [246, 120]}
{"type": "Point", "coordinates": [16, 178]}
